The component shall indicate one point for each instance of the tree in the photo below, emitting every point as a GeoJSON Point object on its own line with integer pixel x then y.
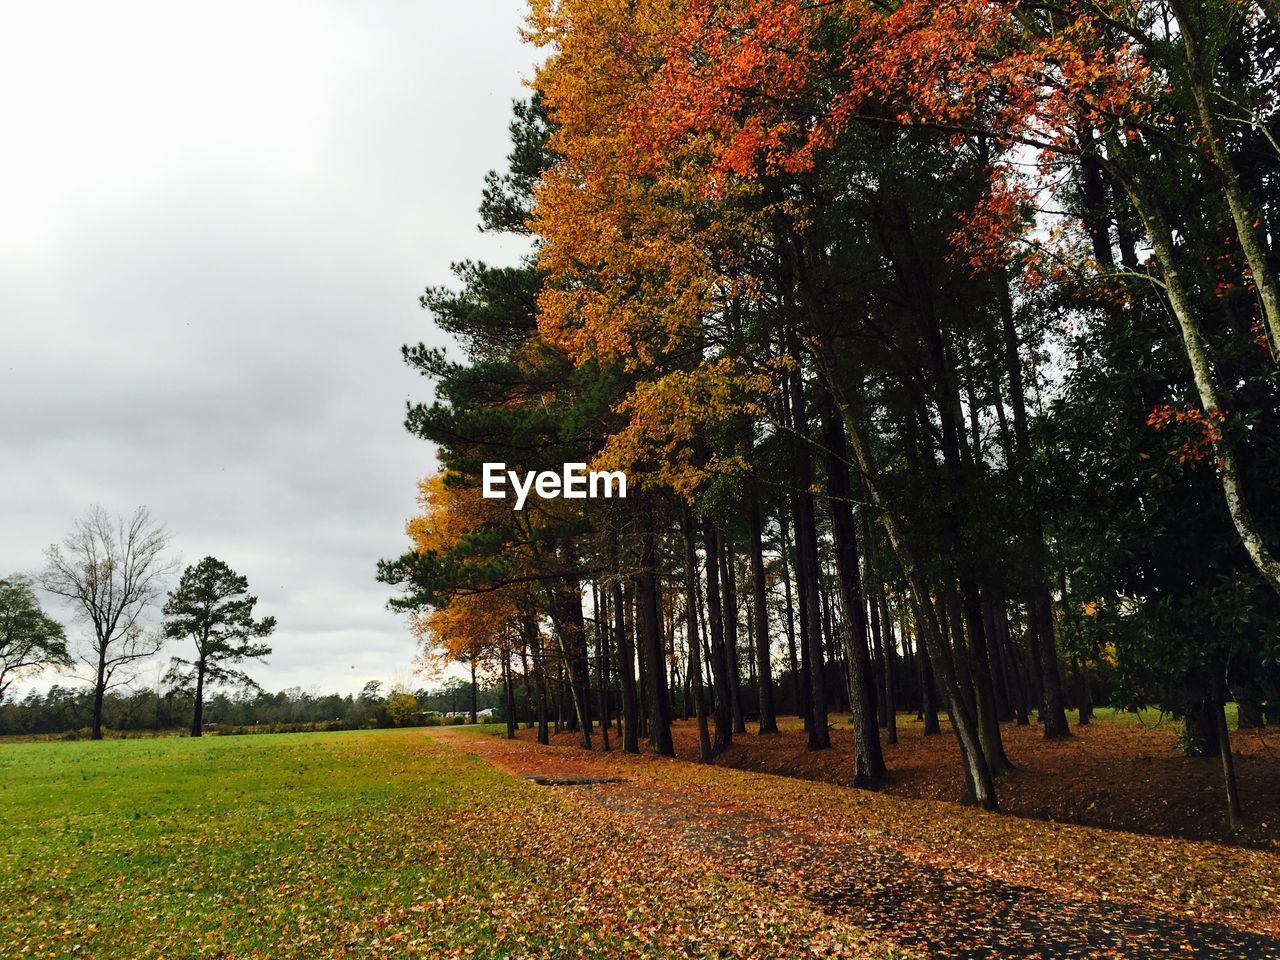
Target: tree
{"type": "Point", "coordinates": [513, 397]}
{"type": "Point", "coordinates": [403, 707]}
{"type": "Point", "coordinates": [791, 257]}
{"type": "Point", "coordinates": [212, 607]}
{"type": "Point", "coordinates": [29, 639]}
{"type": "Point", "coordinates": [113, 571]}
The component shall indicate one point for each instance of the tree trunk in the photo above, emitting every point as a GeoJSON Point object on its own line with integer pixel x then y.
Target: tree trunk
{"type": "Point", "coordinates": [691, 631]}
{"type": "Point", "coordinates": [868, 754]}
{"type": "Point", "coordinates": [877, 661]}
{"type": "Point", "coordinates": [197, 722]}
{"type": "Point", "coordinates": [534, 643]}
{"type": "Point", "coordinates": [972, 660]}
{"type": "Point", "coordinates": [995, 651]}
{"type": "Point", "coordinates": [602, 648]}
{"type": "Point", "coordinates": [798, 704]}
{"type": "Point", "coordinates": [807, 571]}
{"type": "Point", "coordinates": [509, 691]}
{"type": "Point", "coordinates": [627, 670]}
{"type": "Point", "coordinates": [951, 625]}
{"type": "Point", "coordinates": [571, 642]}
{"type": "Point", "coordinates": [1200, 729]}
{"type": "Point", "coordinates": [890, 671]}
{"type": "Point", "coordinates": [981, 787]}
{"type": "Point", "coordinates": [830, 656]}
{"type": "Point", "coordinates": [1162, 245]}
{"type": "Point", "coordinates": [1249, 714]}
{"type": "Point", "coordinates": [723, 677]}
{"type": "Point", "coordinates": [1235, 816]}
{"type": "Point", "coordinates": [669, 652]}
{"type": "Point", "coordinates": [529, 718]}
{"type": "Point", "coordinates": [1018, 686]}
{"type": "Point", "coordinates": [759, 597]}
{"type": "Point", "coordinates": [475, 691]}
{"type": "Point", "coordinates": [983, 688]}
{"type": "Point", "coordinates": [1244, 212]}
{"type": "Point", "coordinates": [1053, 712]}
{"type": "Point", "coordinates": [928, 696]}
{"type": "Point", "coordinates": [908, 675]}
{"type": "Point", "coordinates": [1084, 704]}
{"type": "Point", "coordinates": [573, 635]}
{"type": "Point", "coordinates": [649, 618]}
{"type": "Point", "coordinates": [557, 698]}
{"type": "Point", "coordinates": [1093, 190]}
{"type": "Point", "coordinates": [728, 578]}
{"type": "Point", "coordinates": [99, 691]}
{"type": "Point", "coordinates": [636, 629]}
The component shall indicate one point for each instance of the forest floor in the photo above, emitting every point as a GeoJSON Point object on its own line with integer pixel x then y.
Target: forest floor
{"type": "Point", "coordinates": [1120, 772]}
{"type": "Point", "coordinates": [934, 877]}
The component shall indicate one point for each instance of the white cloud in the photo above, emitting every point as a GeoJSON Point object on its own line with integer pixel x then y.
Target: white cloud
{"type": "Point", "coordinates": [217, 222]}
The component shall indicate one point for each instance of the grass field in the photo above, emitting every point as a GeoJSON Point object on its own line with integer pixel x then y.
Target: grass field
{"type": "Point", "coordinates": [362, 844]}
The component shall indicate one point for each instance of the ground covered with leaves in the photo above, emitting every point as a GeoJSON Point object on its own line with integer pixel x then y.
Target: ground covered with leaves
{"type": "Point", "coordinates": [1122, 771]}
{"type": "Point", "coordinates": [369, 844]}
{"type": "Point", "coordinates": [936, 877]}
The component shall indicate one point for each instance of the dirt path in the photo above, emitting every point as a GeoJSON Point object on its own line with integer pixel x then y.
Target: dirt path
{"type": "Point", "coordinates": [866, 877]}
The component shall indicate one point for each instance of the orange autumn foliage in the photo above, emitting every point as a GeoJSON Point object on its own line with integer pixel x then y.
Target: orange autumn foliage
{"type": "Point", "coordinates": [470, 626]}
{"type": "Point", "coordinates": [677, 120]}
{"type": "Point", "coordinates": [640, 257]}
{"type": "Point", "coordinates": [667, 415]}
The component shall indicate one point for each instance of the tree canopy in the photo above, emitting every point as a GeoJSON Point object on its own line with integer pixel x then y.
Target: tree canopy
{"type": "Point", "coordinates": [940, 346]}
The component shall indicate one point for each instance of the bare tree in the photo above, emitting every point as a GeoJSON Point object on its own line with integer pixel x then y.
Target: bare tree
{"type": "Point", "coordinates": [112, 570]}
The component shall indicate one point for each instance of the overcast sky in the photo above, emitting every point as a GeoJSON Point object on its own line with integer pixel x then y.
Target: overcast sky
{"type": "Point", "coordinates": [215, 220]}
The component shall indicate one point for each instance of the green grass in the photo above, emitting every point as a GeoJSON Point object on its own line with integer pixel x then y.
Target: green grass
{"type": "Point", "coordinates": [162, 847]}
{"type": "Point", "coordinates": [351, 844]}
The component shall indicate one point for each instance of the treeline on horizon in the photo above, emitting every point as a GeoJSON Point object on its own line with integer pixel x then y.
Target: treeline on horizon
{"type": "Point", "coordinates": [112, 572]}
{"type": "Point", "coordinates": [70, 710]}
{"type": "Point", "coordinates": [938, 341]}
